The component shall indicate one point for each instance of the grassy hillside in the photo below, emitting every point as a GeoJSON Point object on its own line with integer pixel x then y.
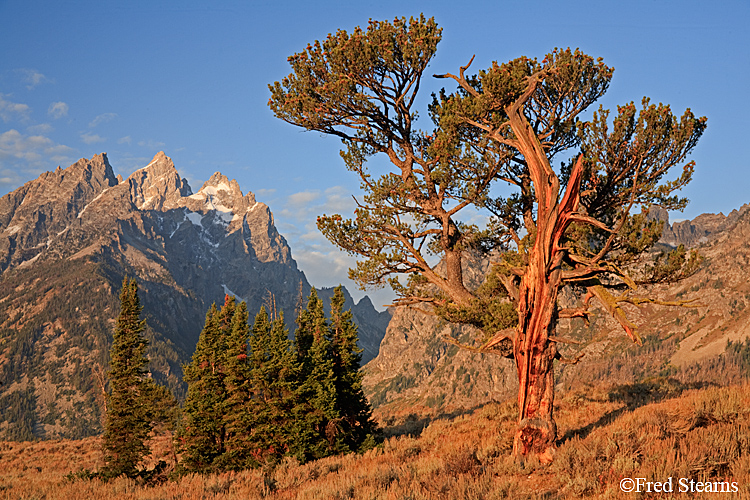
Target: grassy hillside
{"type": "Point", "coordinates": [653, 430]}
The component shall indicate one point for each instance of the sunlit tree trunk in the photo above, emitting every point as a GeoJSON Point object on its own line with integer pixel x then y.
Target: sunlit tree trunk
{"type": "Point", "coordinates": [534, 355]}
{"type": "Point", "coordinates": [537, 296]}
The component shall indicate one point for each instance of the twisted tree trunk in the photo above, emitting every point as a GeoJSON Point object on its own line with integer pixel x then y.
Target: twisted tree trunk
{"type": "Point", "coordinates": [537, 295]}
{"type": "Point", "coordinates": [537, 318]}
{"type": "Point", "coordinates": [534, 355]}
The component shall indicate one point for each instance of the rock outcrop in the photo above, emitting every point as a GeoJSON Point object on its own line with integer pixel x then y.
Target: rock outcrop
{"type": "Point", "coordinates": [416, 366]}
{"type": "Point", "coordinates": [700, 230]}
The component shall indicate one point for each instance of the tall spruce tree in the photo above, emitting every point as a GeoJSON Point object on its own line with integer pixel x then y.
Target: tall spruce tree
{"type": "Point", "coordinates": [315, 415]}
{"type": "Point", "coordinates": [237, 386]}
{"type": "Point", "coordinates": [131, 411]}
{"type": "Point", "coordinates": [334, 415]}
{"type": "Point", "coordinates": [272, 383]}
{"type": "Point", "coordinates": [201, 437]}
{"type": "Point", "coordinates": [354, 425]}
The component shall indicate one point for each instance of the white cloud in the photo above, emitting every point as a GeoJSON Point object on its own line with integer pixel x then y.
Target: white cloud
{"type": "Point", "coordinates": [321, 261]}
{"type": "Point", "coordinates": [301, 199]}
{"type": "Point", "coordinates": [92, 138]}
{"type": "Point", "coordinates": [32, 77]}
{"type": "Point", "coordinates": [10, 110]}
{"type": "Point", "coordinates": [103, 118]}
{"type": "Point", "coordinates": [305, 206]}
{"type": "Point", "coordinates": [124, 140]}
{"type": "Point", "coordinates": [338, 200]}
{"type": "Point", "coordinates": [126, 163]}
{"type": "Point", "coordinates": [151, 144]}
{"type": "Point", "coordinates": [29, 148]}
{"type": "Point", "coordinates": [32, 148]}
{"type": "Point", "coordinates": [57, 110]}
{"type": "Point", "coordinates": [42, 128]}
{"type": "Point", "coordinates": [24, 157]}
{"type": "Point", "coordinates": [313, 236]}
{"type": "Point", "coordinates": [326, 266]}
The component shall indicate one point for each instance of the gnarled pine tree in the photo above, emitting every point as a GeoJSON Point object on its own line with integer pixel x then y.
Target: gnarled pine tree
{"type": "Point", "coordinates": [567, 226]}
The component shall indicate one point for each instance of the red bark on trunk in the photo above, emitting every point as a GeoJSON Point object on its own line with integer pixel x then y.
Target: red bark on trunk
{"type": "Point", "coordinates": [537, 317]}
{"type": "Point", "coordinates": [534, 354]}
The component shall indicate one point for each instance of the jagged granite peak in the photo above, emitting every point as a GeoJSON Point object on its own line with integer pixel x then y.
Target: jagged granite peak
{"type": "Point", "coordinates": [36, 212]}
{"type": "Point", "coordinates": [158, 185]}
{"type": "Point", "coordinates": [697, 231]}
{"type": "Point", "coordinates": [219, 192]}
{"type": "Point", "coordinates": [217, 227]}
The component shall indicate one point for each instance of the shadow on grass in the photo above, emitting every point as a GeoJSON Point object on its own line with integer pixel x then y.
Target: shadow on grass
{"type": "Point", "coordinates": [412, 424]}
{"type": "Point", "coordinates": [651, 390]}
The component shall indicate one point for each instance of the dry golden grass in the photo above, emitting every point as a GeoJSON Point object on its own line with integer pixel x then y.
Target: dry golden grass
{"type": "Point", "coordinates": [606, 435]}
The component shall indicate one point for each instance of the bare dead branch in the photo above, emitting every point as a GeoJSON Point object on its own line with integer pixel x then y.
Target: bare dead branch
{"type": "Point", "coordinates": [503, 346]}
{"type": "Point", "coordinates": [569, 361]}
{"type": "Point", "coordinates": [573, 313]}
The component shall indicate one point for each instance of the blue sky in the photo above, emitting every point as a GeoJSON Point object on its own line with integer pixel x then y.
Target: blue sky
{"type": "Point", "coordinates": [190, 78]}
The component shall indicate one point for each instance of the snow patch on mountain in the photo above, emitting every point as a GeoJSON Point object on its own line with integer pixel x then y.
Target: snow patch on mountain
{"type": "Point", "coordinates": [195, 218]}
{"type": "Point", "coordinates": [229, 292]}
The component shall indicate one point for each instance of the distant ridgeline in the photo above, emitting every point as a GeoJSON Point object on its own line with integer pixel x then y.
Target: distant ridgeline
{"type": "Point", "coordinates": [67, 239]}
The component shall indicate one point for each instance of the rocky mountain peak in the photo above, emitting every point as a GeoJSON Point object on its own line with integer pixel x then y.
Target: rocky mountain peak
{"type": "Point", "coordinates": [158, 185]}
{"type": "Point", "coordinates": [95, 173]}
{"type": "Point", "coordinates": [702, 229]}
{"type": "Point", "coordinates": [222, 183]}
{"type": "Point", "coordinates": [224, 195]}
{"type": "Point", "coordinates": [41, 209]}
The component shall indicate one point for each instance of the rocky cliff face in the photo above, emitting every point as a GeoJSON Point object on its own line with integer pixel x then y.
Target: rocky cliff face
{"type": "Point", "coordinates": [416, 366]}
{"type": "Point", "coordinates": [678, 341]}
{"type": "Point", "coordinates": [700, 230]}
{"type": "Point", "coordinates": [66, 241]}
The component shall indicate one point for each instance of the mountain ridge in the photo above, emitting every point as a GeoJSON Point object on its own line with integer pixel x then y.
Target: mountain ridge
{"type": "Point", "coordinates": [67, 239]}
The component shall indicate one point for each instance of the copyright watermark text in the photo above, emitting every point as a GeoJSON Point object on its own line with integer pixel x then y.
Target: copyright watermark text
{"type": "Point", "coordinates": [676, 485]}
